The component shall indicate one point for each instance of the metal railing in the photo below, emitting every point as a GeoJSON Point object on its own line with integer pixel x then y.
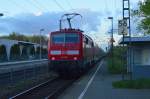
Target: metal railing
{"type": "Point", "coordinates": [21, 73]}
{"type": "Point", "coordinates": [22, 62]}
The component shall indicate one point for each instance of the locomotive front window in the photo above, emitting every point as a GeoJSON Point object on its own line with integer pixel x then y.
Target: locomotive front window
{"type": "Point", "coordinates": [65, 38]}
{"type": "Point", "coordinates": [58, 38]}
{"type": "Point", "coordinates": [72, 38]}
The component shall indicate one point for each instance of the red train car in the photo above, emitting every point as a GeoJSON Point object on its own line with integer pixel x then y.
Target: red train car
{"type": "Point", "coordinates": [70, 52]}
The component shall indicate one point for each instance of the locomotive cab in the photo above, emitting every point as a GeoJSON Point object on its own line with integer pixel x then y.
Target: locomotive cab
{"type": "Point", "coordinates": [65, 50]}
{"type": "Point", "coordinates": [70, 52]}
{"type": "Point", "coordinates": [65, 45]}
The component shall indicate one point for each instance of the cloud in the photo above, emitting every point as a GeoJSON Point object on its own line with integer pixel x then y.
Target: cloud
{"type": "Point", "coordinates": [28, 23]}
{"type": "Point", "coordinates": [38, 13]}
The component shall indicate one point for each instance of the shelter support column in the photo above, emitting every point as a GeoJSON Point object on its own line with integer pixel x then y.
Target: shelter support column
{"type": "Point", "coordinates": [8, 49]}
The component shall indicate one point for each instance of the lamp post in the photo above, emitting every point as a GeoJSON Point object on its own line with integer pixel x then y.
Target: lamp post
{"type": "Point", "coordinates": [112, 38]}
{"type": "Point", "coordinates": [1, 14]}
{"type": "Point", "coordinates": [41, 43]}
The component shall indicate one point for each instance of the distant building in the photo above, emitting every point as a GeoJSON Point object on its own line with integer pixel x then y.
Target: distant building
{"type": "Point", "coordinates": [27, 50]}
{"type": "Point", "coordinates": [140, 56]}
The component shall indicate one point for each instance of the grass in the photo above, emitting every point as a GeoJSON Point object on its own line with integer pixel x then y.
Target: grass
{"type": "Point", "coordinates": [133, 84]}
{"type": "Point", "coordinates": [117, 66]}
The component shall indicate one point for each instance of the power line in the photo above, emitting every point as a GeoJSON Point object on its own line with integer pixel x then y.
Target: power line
{"type": "Point", "coordinates": [22, 7]}
{"type": "Point", "coordinates": [106, 7]}
{"type": "Point", "coordinates": [116, 4]}
{"type": "Point", "coordinates": [69, 4]}
{"type": "Point", "coordinates": [18, 5]}
{"type": "Point", "coordinates": [55, 1]}
{"type": "Point", "coordinates": [112, 7]}
{"type": "Point", "coordinates": [33, 3]}
{"type": "Point", "coordinates": [38, 5]}
{"type": "Point", "coordinates": [116, 7]}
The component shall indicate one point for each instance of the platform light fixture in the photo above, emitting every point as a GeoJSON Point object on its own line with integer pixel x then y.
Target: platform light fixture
{"type": "Point", "coordinates": [1, 14]}
{"type": "Point", "coordinates": [41, 43]}
{"type": "Point", "coordinates": [112, 38]}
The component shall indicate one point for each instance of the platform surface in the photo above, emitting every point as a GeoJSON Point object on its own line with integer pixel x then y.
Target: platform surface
{"type": "Point", "coordinates": [97, 84]}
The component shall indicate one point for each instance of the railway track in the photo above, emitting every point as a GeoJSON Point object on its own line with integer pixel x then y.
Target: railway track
{"type": "Point", "coordinates": [48, 90]}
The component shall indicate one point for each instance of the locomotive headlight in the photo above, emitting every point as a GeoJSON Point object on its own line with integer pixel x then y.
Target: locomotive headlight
{"type": "Point", "coordinates": [53, 58]}
{"type": "Point", "coordinates": [75, 58]}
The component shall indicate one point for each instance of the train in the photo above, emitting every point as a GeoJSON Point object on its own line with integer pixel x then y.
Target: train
{"type": "Point", "coordinates": [71, 52]}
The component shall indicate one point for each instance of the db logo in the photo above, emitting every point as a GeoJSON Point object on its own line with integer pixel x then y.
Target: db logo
{"type": "Point", "coordinates": [63, 52]}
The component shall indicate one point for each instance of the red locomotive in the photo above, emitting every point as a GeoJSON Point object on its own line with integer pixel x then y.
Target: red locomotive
{"type": "Point", "coordinates": [70, 52]}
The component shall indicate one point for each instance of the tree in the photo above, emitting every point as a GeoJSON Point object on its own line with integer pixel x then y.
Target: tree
{"type": "Point", "coordinates": [3, 55]}
{"type": "Point", "coordinates": [143, 12]}
{"type": "Point", "coordinates": [16, 36]}
{"type": "Point", "coordinates": [31, 38]}
{"type": "Point", "coordinates": [15, 52]}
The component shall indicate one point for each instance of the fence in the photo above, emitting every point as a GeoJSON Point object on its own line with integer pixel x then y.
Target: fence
{"type": "Point", "coordinates": [3, 58]}
{"type": "Point", "coordinates": [22, 76]}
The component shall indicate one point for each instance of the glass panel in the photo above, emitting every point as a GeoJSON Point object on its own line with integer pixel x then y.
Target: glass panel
{"type": "Point", "coordinates": [58, 38]}
{"type": "Point", "coordinates": [72, 38]}
{"type": "Point", "coordinates": [63, 37]}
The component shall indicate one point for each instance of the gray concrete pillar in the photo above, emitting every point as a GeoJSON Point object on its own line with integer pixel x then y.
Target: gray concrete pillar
{"type": "Point", "coordinates": [35, 48]}
{"type": "Point", "coordinates": [28, 52]}
{"type": "Point", "coordinates": [8, 49]}
{"type": "Point", "coordinates": [21, 49]}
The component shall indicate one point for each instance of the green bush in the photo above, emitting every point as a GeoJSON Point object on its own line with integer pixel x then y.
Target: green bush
{"type": "Point", "coordinates": [32, 51]}
{"type": "Point", "coordinates": [133, 84]}
{"type": "Point", "coordinates": [117, 66]}
{"type": "Point", "coordinates": [15, 52]}
{"type": "Point", "coordinates": [3, 53]}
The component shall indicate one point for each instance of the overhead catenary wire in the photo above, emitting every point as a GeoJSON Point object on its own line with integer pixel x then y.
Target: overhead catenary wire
{"type": "Point", "coordinates": [40, 5]}
{"type": "Point", "coordinates": [23, 8]}
{"type": "Point", "coordinates": [19, 6]}
{"type": "Point", "coordinates": [61, 7]}
{"type": "Point", "coordinates": [69, 4]}
{"type": "Point", "coordinates": [106, 7]}
{"type": "Point", "coordinates": [33, 3]}
{"type": "Point", "coordinates": [41, 9]}
{"type": "Point", "coordinates": [116, 8]}
{"type": "Point", "coordinates": [5, 11]}
{"type": "Point", "coordinates": [113, 6]}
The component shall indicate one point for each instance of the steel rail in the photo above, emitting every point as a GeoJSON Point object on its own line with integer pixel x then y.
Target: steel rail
{"type": "Point", "coordinates": [33, 88]}
{"type": "Point", "coordinates": [58, 91]}
{"type": "Point", "coordinates": [21, 62]}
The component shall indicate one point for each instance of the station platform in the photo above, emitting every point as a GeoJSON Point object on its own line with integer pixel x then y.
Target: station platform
{"type": "Point", "coordinates": [97, 84]}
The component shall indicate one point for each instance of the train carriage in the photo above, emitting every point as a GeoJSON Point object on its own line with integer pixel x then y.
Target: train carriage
{"type": "Point", "coordinates": [70, 51]}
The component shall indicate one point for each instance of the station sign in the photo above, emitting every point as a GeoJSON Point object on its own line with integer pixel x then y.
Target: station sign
{"type": "Point", "coordinates": [122, 27]}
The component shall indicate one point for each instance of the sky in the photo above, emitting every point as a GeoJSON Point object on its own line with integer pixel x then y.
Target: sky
{"type": "Point", "coordinates": [29, 16]}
